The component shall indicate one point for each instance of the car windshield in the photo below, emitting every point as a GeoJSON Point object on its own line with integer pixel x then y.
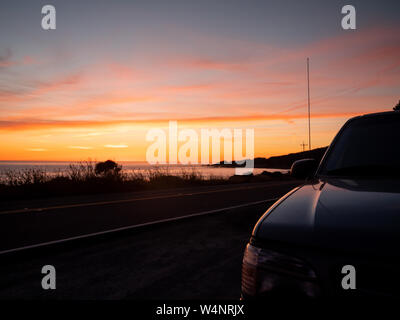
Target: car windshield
{"type": "Point", "coordinates": [366, 147]}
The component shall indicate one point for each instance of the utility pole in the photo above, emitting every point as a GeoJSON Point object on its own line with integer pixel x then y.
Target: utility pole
{"type": "Point", "coordinates": [309, 113]}
{"type": "Point", "coordinates": [303, 145]}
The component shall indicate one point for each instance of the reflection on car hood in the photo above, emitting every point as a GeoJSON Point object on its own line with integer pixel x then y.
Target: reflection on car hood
{"type": "Point", "coordinates": [362, 215]}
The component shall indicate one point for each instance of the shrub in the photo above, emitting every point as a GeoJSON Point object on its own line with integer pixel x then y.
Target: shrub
{"type": "Point", "coordinates": [108, 168]}
{"type": "Point", "coordinates": [81, 171]}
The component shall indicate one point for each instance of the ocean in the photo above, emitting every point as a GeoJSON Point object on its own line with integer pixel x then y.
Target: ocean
{"type": "Point", "coordinates": [52, 167]}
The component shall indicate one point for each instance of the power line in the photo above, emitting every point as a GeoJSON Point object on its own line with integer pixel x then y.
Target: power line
{"type": "Point", "coordinates": [303, 145]}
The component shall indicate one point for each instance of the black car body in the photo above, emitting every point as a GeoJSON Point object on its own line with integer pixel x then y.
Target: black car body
{"type": "Point", "coordinates": [346, 214]}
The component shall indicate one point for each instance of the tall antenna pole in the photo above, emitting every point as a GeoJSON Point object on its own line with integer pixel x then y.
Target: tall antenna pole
{"type": "Point", "coordinates": [309, 113]}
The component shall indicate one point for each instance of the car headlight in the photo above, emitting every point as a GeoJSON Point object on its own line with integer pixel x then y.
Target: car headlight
{"type": "Point", "coordinates": [267, 272]}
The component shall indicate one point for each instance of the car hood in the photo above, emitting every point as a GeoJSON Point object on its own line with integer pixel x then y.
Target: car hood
{"type": "Point", "coordinates": [345, 214]}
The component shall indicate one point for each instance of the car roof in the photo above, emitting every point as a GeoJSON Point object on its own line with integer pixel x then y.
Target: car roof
{"type": "Point", "coordinates": [377, 115]}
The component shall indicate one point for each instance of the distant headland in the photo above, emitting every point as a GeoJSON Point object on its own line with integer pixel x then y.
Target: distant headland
{"type": "Point", "coordinates": [282, 162]}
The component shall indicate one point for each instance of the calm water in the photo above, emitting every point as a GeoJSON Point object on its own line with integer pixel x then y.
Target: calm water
{"type": "Point", "coordinates": [127, 166]}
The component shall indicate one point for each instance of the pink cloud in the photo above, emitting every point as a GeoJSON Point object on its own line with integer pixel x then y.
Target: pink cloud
{"type": "Point", "coordinates": [273, 81]}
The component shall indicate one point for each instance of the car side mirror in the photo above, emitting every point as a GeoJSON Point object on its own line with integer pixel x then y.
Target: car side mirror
{"type": "Point", "coordinates": [304, 169]}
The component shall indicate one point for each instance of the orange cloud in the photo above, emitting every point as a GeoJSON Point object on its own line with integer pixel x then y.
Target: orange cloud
{"type": "Point", "coordinates": [22, 125]}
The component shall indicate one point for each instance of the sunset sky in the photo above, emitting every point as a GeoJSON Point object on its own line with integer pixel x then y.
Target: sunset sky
{"type": "Point", "coordinates": [112, 70]}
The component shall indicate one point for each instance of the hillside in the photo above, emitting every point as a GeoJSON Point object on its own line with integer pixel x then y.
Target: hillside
{"type": "Point", "coordinates": [285, 161]}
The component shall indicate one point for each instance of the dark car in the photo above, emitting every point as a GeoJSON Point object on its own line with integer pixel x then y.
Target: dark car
{"type": "Point", "coordinates": [338, 234]}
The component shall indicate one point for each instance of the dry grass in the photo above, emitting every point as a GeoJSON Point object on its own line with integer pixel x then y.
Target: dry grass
{"type": "Point", "coordinates": [81, 178]}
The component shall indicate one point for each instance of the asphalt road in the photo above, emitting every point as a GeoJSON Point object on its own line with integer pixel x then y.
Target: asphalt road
{"type": "Point", "coordinates": [34, 222]}
{"type": "Point", "coordinates": [185, 259]}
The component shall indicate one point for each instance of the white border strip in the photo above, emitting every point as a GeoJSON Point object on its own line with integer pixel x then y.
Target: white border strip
{"type": "Point", "coordinates": [43, 244]}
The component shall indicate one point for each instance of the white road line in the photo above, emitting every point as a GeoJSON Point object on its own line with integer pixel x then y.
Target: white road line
{"type": "Point", "coordinates": [43, 244]}
{"type": "Point", "coordinates": [88, 204]}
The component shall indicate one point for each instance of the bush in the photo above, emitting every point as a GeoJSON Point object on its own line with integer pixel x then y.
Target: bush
{"type": "Point", "coordinates": [108, 168]}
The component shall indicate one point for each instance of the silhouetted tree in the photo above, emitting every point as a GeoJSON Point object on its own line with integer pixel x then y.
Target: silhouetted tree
{"type": "Point", "coordinates": [397, 106]}
{"type": "Point", "coordinates": [108, 167]}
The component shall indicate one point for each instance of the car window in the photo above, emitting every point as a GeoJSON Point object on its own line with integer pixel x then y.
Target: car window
{"type": "Point", "coordinates": [366, 147]}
